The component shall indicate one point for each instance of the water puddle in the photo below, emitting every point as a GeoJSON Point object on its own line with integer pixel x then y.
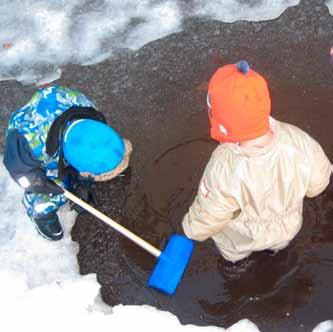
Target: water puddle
{"type": "Point", "coordinates": [290, 287]}
{"type": "Point", "coordinates": [289, 291]}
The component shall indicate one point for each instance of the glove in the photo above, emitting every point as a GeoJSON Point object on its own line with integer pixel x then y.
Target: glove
{"type": "Point", "coordinates": [70, 177]}
{"type": "Point", "coordinates": [24, 168]}
{"type": "Point", "coordinates": [84, 191]}
{"type": "Point", "coordinates": [36, 181]}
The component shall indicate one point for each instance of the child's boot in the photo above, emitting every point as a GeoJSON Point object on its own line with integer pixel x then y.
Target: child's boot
{"type": "Point", "coordinates": [48, 226]}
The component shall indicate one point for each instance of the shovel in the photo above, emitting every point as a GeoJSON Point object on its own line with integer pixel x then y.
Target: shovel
{"type": "Point", "coordinates": [171, 262]}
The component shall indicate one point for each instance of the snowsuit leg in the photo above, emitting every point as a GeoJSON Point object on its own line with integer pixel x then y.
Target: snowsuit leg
{"type": "Point", "coordinates": [38, 205]}
{"type": "Point", "coordinates": [280, 246]}
{"type": "Point", "coordinates": [233, 256]}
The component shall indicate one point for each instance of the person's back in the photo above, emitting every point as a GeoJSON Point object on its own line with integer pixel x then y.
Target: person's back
{"type": "Point", "coordinates": [59, 140]}
{"type": "Point", "coordinates": [251, 195]}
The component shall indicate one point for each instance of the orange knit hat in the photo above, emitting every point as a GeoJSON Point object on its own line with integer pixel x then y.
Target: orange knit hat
{"type": "Point", "coordinates": [239, 103]}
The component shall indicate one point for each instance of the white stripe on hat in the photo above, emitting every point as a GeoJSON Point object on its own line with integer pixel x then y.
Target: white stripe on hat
{"type": "Point", "coordinates": [223, 130]}
{"type": "Point", "coordinates": [208, 101]}
{"type": "Point", "coordinates": [71, 127]}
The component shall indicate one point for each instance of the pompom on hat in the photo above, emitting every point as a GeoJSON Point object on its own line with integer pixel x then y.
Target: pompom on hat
{"type": "Point", "coordinates": [239, 103]}
{"type": "Point", "coordinates": [95, 149]}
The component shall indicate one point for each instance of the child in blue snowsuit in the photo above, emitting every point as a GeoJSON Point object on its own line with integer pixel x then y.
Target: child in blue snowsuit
{"type": "Point", "coordinates": [58, 140]}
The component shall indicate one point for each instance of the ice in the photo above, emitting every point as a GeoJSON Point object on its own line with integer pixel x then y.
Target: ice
{"type": "Point", "coordinates": [324, 327]}
{"type": "Point", "coordinates": [52, 76]}
{"type": "Point", "coordinates": [39, 36]}
{"type": "Point", "coordinates": [329, 4]}
{"type": "Point", "coordinates": [243, 325]}
{"type": "Point", "coordinates": [251, 10]}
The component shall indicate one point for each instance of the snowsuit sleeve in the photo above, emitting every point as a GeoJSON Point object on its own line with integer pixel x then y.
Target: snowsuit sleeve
{"type": "Point", "coordinates": [213, 207]}
{"type": "Point", "coordinates": [321, 170]}
{"type": "Point", "coordinates": [18, 157]}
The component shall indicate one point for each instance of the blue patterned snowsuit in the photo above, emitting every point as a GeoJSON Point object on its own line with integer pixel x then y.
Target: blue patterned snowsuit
{"type": "Point", "coordinates": [34, 121]}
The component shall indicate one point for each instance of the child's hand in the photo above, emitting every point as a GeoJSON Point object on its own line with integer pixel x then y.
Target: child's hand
{"type": "Point", "coordinates": [40, 184]}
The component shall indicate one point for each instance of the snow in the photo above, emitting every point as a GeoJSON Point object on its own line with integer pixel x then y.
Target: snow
{"type": "Point", "coordinates": [22, 249]}
{"type": "Point", "coordinates": [252, 10]}
{"type": "Point", "coordinates": [324, 327]}
{"type": "Point", "coordinates": [38, 37]}
{"type": "Point", "coordinates": [329, 4]}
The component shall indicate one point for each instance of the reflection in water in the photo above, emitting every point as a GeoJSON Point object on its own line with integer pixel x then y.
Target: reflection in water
{"type": "Point", "coordinates": [261, 286]}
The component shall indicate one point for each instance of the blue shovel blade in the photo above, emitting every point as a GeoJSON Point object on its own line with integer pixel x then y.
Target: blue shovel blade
{"type": "Point", "coordinates": [171, 264]}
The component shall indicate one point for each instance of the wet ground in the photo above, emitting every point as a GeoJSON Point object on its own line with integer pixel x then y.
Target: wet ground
{"type": "Point", "coordinates": [156, 98]}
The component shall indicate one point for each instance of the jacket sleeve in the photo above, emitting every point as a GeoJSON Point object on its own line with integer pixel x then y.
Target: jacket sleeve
{"type": "Point", "coordinates": [212, 208]}
{"type": "Point", "coordinates": [18, 158]}
{"type": "Point", "coordinates": [321, 170]}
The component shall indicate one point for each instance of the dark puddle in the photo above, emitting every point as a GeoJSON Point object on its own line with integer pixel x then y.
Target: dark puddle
{"type": "Point", "coordinates": [292, 289]}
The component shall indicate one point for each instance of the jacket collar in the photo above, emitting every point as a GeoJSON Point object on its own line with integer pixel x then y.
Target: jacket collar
{"type": "Point", "coordinates": [257, 151]}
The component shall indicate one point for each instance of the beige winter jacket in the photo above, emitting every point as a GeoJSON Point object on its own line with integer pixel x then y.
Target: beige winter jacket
{"type": "Point", "coordinates": [251, 199]}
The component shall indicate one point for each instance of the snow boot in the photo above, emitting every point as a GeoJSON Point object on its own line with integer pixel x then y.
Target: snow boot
{"type": "Point", "coordinates": [48, 226]}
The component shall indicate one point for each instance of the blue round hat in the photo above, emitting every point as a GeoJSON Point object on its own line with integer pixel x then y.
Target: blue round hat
{"type": "Point", "coordinates": [93, 147]}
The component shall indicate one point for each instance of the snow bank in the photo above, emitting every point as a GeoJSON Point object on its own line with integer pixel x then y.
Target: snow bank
{"type": "Point", "coordinates": [25, 254]}
{"type": "Point", "coordinates": [72, 305]}
{"type": "Point", "coordinates": [38, 37]}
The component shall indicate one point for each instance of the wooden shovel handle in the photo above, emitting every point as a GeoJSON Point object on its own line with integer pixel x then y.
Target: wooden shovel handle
{"type": "Point", "coordinates": [142, 243]}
